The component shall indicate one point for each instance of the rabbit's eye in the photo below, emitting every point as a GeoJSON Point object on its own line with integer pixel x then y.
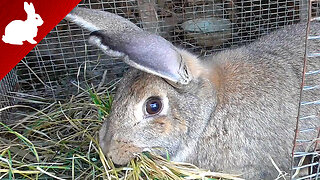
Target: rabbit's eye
{"type": "Point", "coordinates": [153, 105]}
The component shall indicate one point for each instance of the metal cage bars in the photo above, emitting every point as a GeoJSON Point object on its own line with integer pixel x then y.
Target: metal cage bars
{"type": "Point", "coordinates": [306, 152]}
{"type": "Point", "coordinates": [57, 58]}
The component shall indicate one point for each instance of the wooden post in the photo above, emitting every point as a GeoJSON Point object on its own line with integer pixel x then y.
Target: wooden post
{"type": "Point", "coordinates": [148, 15]}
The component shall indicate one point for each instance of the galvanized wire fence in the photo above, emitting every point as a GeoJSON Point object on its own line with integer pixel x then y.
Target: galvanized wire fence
{"type": "Point", "coordinates": [63, 59]}
{"type": "Point", "coordinates": [306, 151]}
{"type": "Point", "coordinates": [62, 56]}
{"type": "Point", "coordinates": [7, 85]}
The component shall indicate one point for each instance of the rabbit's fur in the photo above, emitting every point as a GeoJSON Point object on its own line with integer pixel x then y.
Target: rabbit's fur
{"type": "Point", "coordinates": [238, 111]}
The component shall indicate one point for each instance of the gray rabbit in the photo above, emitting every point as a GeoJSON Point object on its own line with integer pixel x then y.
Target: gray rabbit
{"type": "Point", "coordinates": [227, 114]}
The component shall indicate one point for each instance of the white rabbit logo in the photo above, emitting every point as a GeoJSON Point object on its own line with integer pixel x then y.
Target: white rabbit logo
{"type": "Point", "coordinates": [18, 31]}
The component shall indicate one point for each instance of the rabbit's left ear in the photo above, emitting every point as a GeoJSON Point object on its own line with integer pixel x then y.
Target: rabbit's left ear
{"type": "Point", "coordinates": [117, 36]}
{"type": "Point", "coordinates": [147, 52]}
{"type": "Point", "coordinates": [29, 8]}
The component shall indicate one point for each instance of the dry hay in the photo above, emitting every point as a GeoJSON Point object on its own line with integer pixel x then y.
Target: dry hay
{"type": "Point", "coordinates": [60, 142]}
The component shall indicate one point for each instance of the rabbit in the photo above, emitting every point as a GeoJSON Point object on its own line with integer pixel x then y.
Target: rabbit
{"type": "Point", "coordinates": [234, 112]}
{"type": "Point", "coordinates": [18, 31]}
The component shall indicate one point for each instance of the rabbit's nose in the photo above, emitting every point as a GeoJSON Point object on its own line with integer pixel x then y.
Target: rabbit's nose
{"type": "Point", "coordinates": [121, 151]}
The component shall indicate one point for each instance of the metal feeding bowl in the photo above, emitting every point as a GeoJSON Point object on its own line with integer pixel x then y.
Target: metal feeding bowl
{"type": "Point", "coordinates": [208, 32]}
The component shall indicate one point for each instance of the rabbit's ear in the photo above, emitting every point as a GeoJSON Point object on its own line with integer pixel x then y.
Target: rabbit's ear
{"type": "Point", "coordinates": [147, 52]}
{"type": "Point", "coordinates": [117, 36]}
{"type": "Point", "coordinates": [29, 8]}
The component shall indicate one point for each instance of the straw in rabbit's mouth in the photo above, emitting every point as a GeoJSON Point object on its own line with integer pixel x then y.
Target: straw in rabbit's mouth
{"type": "Point", "coordinates": [159, 151]}
{"type": "Point", "coordinates": [134, 156]}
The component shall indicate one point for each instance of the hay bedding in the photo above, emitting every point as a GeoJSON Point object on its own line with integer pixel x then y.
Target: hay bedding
{"type": "Point", "coordinates": [60, 142]}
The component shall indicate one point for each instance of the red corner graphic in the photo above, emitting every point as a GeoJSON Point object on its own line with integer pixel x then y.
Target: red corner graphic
{"type": "Point", "coordinates": [24, 23]}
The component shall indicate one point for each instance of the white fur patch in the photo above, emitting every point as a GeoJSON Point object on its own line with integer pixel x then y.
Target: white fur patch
{"type": "Point", "coordinates": [97, 41]}
{"type": "Point", "coordinates": [83, 23]}
{"type": "Point", "coordinates": [165, 103]}
{"type": "Point", "coordinates": [139, 111]}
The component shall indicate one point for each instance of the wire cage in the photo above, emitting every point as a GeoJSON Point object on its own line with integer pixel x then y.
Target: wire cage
{"type": "Point", "coordinates": [63, 61]}
{"type": "Point", "coordinates": [7, 85]}
{"type": "Point", "coordinates": [57, 58]}
{"type": "Point", "coordinates": [307, 151]}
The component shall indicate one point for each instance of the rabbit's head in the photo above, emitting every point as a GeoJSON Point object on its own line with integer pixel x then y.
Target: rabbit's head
{"type": "Point", "coordinates": [149, 113]}
{"type": "Point", "coordinates": [164, 104]}
{"type": "Point", "coordinates": [32, 17]}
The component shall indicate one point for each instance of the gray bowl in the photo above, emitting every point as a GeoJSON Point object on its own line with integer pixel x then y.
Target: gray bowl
{"type": "Point", "coordinates": [208, 32]}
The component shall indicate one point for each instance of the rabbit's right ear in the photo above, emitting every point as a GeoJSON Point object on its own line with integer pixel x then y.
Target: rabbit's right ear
{"type": "Point", "coordinates": [117, 36]}
{"type": "Point", "coordinates": [29, 8]}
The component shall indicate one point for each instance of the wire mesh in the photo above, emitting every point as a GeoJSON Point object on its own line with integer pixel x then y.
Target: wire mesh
{"type": "Point", "coordinates": [7, 85]}
{"type": "Point", "coordinates": [306, 151]}
{"type": "Point", "coordinates": [60, 58]}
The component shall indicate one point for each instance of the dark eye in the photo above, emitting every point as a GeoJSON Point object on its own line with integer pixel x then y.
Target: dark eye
{"type": "Point", "coordinates": [153, 105]}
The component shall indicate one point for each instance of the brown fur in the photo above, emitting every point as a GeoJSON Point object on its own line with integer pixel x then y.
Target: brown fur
{"type": "Point", "coordinates": [239, 110]}
{"type": "Point", "coordinates": [228, 78]}
{"type": "Point", "coordinates": [163, 124]}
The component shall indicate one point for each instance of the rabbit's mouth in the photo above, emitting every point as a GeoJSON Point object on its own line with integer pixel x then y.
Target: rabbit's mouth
{"type": "Point", "coordinates": [123, 155]}
{"type": "Point", "coordinates": [122, 152]}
